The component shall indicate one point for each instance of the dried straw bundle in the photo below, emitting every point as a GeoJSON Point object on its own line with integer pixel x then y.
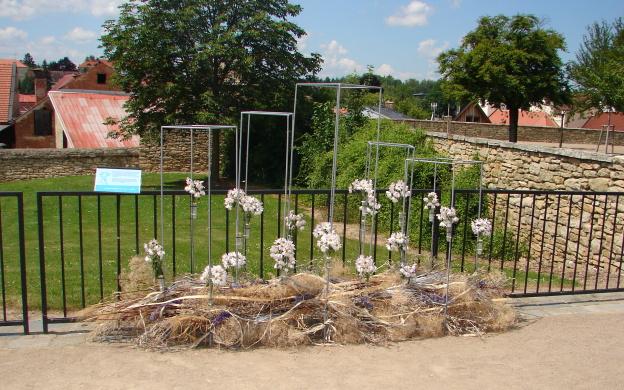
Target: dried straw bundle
{"type": "Point", "coordinates": [292, 311]}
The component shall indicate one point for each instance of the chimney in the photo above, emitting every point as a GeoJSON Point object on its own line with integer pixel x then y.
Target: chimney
{"type": "Point", "coordinates": [41, 84]}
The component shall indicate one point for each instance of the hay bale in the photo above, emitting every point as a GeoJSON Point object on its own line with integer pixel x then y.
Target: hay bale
{"type": "Point", "coordinates": [137, 279]}
{"type": "Point", "coordinates": [290, 311]}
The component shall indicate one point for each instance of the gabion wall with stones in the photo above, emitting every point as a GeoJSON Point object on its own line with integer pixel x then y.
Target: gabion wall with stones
{"type": "Point", "coordinates": [581, 236]}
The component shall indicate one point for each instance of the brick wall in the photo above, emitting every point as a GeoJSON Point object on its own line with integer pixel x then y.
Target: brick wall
{"type": "Point", "coordinates": [25, 130]}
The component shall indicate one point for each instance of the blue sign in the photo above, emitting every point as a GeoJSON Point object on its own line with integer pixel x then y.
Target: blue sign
{"type": "Point", "coordinates": [118, 180]}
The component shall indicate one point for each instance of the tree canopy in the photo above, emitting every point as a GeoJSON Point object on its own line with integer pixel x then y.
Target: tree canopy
{"type": "Point", "coordinates": [598, 72]}
{"type": "Point", "coordinates": [507, 60]}
{"type": "Point", "coordinates": [199, 61]}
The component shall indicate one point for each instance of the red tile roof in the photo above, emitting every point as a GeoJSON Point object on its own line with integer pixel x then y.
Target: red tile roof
{"type": "Point", "coordinates": [63, 81]}
{"type": "Point", "coordinates": [6, 90]}
{"type": "Point", "coordinates": [82, 115]}
{"type": "Point", "coordinates": [26, 102]}
{"type": "Point", "coordinates": [596, 122]}
{"type": "Point", "coordinates": [92, 63]}
{"type": "Point", "coordinates": [18, 64]}
{"type": "Point", "coordinates": [526, 118]}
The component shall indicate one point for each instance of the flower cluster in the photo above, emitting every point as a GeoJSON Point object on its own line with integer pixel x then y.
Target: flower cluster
{"type": "Point", "coordinates": [216, 274]}
{"type": "Point", "coordinates": [481, 226]}
{"type": "Point", "coordinates": [294, 221]}
{"type": "Point", "coordinates": [397, 191]}
{"type": "Point", "coordinates": [408, 271]}
{"type": "Point", "coordinates": [283, 252]}
{"type": "Point", "coordinates": [249, 204]}
{"type": "Point", "coordinates": [397, 241]}
{"type": "Point", "coordinates": [447, 217]}
{"type": "Point", "coordinates": [370, 206]}
{"type": "Point", "coordinates": [154, 253]}
{"type": "Point", "coordinates": [431, 201]}
{"type": "Point", "coordinates": [365, 266]}
{"type": "Point", "coordinates": [234, 196]}
{"type": "Point", "coordinates": [195, 188]}
{"type": "Point", "coordinates": [328, 239]}
{"type": "Point", "coordinates": [233, 260]}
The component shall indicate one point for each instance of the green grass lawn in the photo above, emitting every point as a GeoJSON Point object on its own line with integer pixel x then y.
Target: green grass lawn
{"type": "Point", "coordinates": [80, 270]}
{"type": "Point", "coordinates": [77, 290]}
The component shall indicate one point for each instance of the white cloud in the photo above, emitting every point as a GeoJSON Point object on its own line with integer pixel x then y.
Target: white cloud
{"type": "Point", "coordinates": [302, 43]}
{"type": "Point", "coordinates": [104, 7]}
{"type": "Point", "coordinates": [80, 35]}
{"type": "Point", "coordinates": [385, 70]}
{"type": "Point", "coordinates": [413, 14]}
{"type": "Point", "coordinates": [335, 61]}
{"type": "Point", "coordinates": [455, 3]}
{"type": "Point", "coordinates": [47, 40]}
{"type": "Point", "coordinates": [9, 34]}
{"type": "Point", "coordinates": [25, 9]}
{"type": "Point", "coordinates": [428, 48]}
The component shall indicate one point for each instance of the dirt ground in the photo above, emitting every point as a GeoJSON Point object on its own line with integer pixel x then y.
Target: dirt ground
{"type": "Point", "coordinates": [559, 352]}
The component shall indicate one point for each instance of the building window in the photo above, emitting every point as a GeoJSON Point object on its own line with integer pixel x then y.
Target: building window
{"type": "Point", "coordinates": [43, 122]}
{"type": "Point", "coordinates": [101, 78]}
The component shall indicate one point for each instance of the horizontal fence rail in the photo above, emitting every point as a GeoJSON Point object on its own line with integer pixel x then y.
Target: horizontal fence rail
{"type": "Point", "coordinates": [13, 262]}
{"type": "Point", "coordinates": [544, 242]}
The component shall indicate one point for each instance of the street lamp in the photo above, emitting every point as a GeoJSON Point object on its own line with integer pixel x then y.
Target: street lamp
{"type": "Point", "coordinates": [562, 112]}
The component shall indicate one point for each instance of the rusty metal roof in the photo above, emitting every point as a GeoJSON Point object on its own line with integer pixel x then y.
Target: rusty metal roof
{"type": "Point", "coordinates": [82, 115]}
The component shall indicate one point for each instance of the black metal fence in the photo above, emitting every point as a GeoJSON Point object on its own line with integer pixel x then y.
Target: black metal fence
{"type": "Point", "coordinates": [13, 261]}
{"type": "Point", "coordinates": [545, 242]}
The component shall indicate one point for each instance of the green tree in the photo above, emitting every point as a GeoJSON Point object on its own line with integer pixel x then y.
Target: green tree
{"type": "Point", "coordinates": [508, 60]}
{"type": "Point", "coordinates": [199, 61]}
{"type": "Point", "coordinates": [598, 72]}
{"type": "Point", "coordinates": [29, 61]}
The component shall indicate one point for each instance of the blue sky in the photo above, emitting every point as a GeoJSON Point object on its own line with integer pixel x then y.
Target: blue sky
{"type": "Point", "coordinates": [397, 37]}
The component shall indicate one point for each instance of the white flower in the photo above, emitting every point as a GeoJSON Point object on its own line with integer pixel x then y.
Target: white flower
{"type": "Point", "coordinates": [321, 229]}
{"type": "Point", "coordinates": [365, 266]}
{"type": "Point", "coordinates": [408, 270]}
{"type": "Point", "coordinates": [283, 252]}
{"type": "Point", "coordinates": [217, 275]}
{"type": "Point", "coordinates": [195, 188]}
{"type": "Point", "coordinates": [233, 259]}
{"type": "Point", "coordinates": [447, 216]}
{"type": "Point", "coordinates": [364, 185]}
{"type": "Point", "coordinates": [251, 205]}
{"type": "Point", "coordinates": [233, 196]}
{"type": "Point", "coordinates": [294, 221]}
{"type": "Point", "coordinates": [328, 239]}
{"type": "Point", "coordinates": [397, 241]}
{"type": "Point", "coordinates": [431, 201]}
{"type": "Point", "coordinates": [153, 251]}
{"type": "Point", "coordinates": [397, 191]}
{"type": "Point", "coordinates": [370, 206]}
{"type": "Point", "coordinates": [481, 226]}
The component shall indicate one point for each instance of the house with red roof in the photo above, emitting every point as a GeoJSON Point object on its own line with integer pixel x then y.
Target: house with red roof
{"type": "Point", "coordinates": [603, 119]}
{"type": "Point", "coordinates": [525, 118]}
{"type": "Point", "coordinates": [73, 113]}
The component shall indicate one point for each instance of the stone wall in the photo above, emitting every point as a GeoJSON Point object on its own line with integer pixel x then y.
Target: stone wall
{"type": "Point", "coordinates": [574, 233]}
{"type": "Point", "coordinates": [177, 152]}
{"type": "Point", "coordinates": [525, 133]}
{"type": "Point", "coordinates": [25, 164]}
